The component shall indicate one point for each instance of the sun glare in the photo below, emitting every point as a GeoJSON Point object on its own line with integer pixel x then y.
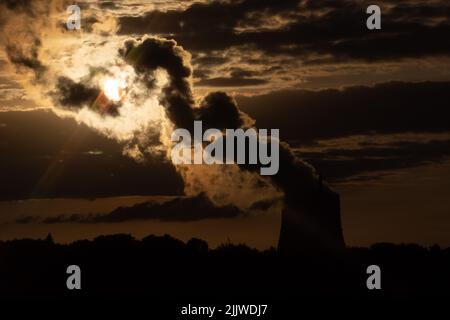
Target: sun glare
{"type": "Point", "coordinates": [113, 89]}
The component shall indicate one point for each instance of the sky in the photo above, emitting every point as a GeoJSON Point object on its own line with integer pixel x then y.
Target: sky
{"type": "Point", "coordinates": [367, 108]}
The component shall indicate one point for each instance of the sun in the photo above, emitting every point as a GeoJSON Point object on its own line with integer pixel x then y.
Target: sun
{"type": "Point", "coordinates": [114, 89]}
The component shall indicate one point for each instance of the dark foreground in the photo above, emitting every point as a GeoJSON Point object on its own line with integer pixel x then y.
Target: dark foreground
{"type": "Point", "coordinates": [166, 269]}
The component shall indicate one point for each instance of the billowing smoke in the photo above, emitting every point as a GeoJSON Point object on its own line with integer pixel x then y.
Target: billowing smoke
{"type": "Point", "coordinates": [215, 110]}
{"type": "Point", "coordinates": [149, 54]}
{"type": "Point", "coordinates": [152, 94]}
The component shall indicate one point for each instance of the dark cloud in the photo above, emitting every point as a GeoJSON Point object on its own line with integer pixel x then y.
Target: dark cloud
{"type": "Point", "coordinates": [76, 95]}
{"type": "Point", "coordinates": [231, 82]}
{"type": "Point", "coordinates": [108, 5]}
{"type": "Point", "coordinates": [202, 26]}
{"type": "Point", "coordinates": [57, 219]}
{"type": "Point", "coordinates": [238, 77]}
{"type": "Point", "coordinates": [73, 94]}
{"type": "Point", "coordinates": [262, 205]}
{"type": "Point", "coordinates": [384, 108]}
{"type": "Point", "coordinates": [242, 73]}
{"type": "Point", "coordinates": [336, 29]}
{"type": "Point", "coordinates": [26, 220]}
{"type": "Point", "coordinates": [206, 61]}
{"type": "Point", "coordinates": [49, 157]}
{"type": "Point", "coordinates": [371, 163]}
{"type": "Point", "coordinates": [28, 58]}
{"type": "Point", "coordinates": [181, 209]}
{"type": "Point", "coordinates": [25, 6]}
{"type": "Point", "coordinates": [219, 110]}
{"type": "Point", "coordinates": [202, 73]}
{"type": "Point", "coordinates": [204, 15]}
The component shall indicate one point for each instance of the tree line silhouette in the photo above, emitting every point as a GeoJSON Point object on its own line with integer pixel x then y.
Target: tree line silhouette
{"type": "Point", "coordinates": [162, 266]}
